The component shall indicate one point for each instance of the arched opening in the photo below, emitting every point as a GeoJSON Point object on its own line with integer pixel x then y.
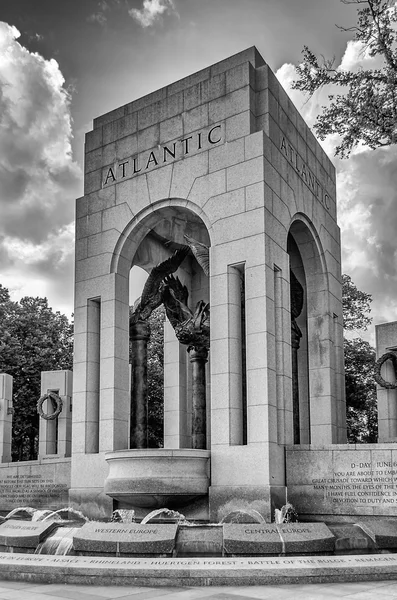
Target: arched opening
{"type": "Point", "coordinates": [311, 332]}
{"type": "Point", "coordinates": [299, 346]}
{"type": "Point", "coordinates": [154, 240]}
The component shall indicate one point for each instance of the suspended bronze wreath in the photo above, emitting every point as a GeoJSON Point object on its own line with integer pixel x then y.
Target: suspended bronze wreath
{"type": "Point", "coordinates": [378, 366]}
{"type": "Point", "coordinates": [56, 402]}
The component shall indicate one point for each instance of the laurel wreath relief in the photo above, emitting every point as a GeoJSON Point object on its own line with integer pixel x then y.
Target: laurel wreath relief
{"type": "Point", "coordinates": [56, 402]}
{"type": "Point", "coordinates": [378, 366]}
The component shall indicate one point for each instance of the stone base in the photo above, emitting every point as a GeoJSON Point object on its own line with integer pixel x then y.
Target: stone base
{"type": "Point", "coordinates": [265, 499]}
{"type": "Point", "coordinates": [155, 478]}
{"type": "Point", "coordinates": [159, 572]}
{"type": "Point", "coordinates": [92, 502]}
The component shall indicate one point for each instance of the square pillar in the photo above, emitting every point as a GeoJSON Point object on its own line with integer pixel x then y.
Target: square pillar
{"type": "Point", "coordinates": [55, 436]}
{"type": "Point", "coordinates": [5, 417]}
{"type": "Point", "coordinates": [176, 415]}
{"type": "Point", "coordinates": [386, 341]}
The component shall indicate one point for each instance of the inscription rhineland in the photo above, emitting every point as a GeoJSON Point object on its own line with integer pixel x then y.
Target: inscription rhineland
{"type": "Point", "coordinates": [163, 154]}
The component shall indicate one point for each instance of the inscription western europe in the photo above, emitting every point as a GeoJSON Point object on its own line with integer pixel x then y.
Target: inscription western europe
{"type": "Point", "coordinates": [163, 154]}
{"type": "Point", "coordinates": [305, 173]}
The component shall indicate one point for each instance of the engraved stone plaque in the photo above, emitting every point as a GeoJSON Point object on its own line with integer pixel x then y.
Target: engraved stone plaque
{"type": "Point", "coordinates": [24, 534]}
{"type": "Point", "coordinates": [132, 538]}
{"type": "Point", "coordinates": [306, 537]}
{"type": "Point", "coordinates": [251, 539]}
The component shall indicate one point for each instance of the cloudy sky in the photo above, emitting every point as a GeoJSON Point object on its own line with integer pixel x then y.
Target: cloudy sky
{"type": "Point", "coordinates": [65, 62]}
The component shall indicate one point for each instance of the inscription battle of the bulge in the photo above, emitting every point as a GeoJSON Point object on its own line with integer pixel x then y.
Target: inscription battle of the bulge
{"type": "Point", "coordinates": [361, 483]}
{"type": "Point", "coordinates": [26, 488]}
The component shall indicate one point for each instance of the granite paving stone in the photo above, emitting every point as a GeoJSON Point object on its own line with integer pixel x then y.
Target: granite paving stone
{"type": "Point", "coordinates": [62, 590]}
{"type": "Point", "coordinates": [327, 591]}
{"type": "Point", "coordinates": [77, 594]}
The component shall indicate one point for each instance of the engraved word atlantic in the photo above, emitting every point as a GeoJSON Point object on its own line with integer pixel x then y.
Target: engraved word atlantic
{"type": "Point", "coordinates": [162, 155]}
{"type": "Point", "coordinates": [305, 173]}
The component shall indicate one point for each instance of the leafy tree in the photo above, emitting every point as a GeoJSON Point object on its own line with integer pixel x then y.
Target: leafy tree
{"type": "Point", "coordinates": [156, 379]}
{"type": "Point", "coordinates": [360, 391]}
{"type": "Point", "coordinates": [356, 306]}
{"type": "Point", "coordinates": [33, 338]}
{"type": "Point", "coordinates": [359, 366]}
{"type": "Point", "coordinates": [366, 109]}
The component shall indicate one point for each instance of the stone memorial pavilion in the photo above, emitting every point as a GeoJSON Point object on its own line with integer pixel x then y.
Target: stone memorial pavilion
{"type": "Point", "coordinates": [216, 187]}
{"type": "Point", "coordinates": [224, 158]}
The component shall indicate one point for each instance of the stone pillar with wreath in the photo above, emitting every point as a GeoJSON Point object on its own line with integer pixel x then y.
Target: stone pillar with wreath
{"type": "Point", "coordinates": [55, 410]}
{"type": "Point", "coordinates": [386, 378]}
{"type": "Point", "coordinates": [6, 412]}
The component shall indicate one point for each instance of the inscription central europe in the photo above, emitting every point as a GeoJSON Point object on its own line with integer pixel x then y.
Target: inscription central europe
{"type": "Point", "coordinates": [162, 155]}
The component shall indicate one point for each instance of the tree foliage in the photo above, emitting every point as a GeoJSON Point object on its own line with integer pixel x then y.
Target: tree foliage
{"type": "Point", "coordinates": [360, 388]}
{"type": "Point", "coordinates": [366, 109]}
{"type": "Point", "coordinates": [359, 366]}
{"type": "Point", "coordinates": [33, 338]}
{"type": "Point", "coordinates": [156, 379]}
{"type": "Point", "coordinates": [356, 306]}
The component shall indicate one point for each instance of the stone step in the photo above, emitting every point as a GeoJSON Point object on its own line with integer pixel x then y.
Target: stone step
{"type": "Point", "coordinates": [196, 571]}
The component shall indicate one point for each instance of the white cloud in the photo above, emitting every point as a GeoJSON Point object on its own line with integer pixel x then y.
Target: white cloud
{"type": "Point", "coordinates": [151, 11]}
{"type": "Point", "coordinates": [37, 37]}
{"type": "Point", "coordinates": [44, 269]}
{"type": "Point", "coordinates": [367, 197]}
{"type": "Point", "coordinates": [55, 249]}
{"type": "Point", "coordinates": [97, 17]}
{"type": "Point", "coordinates": [39, 180]}
{"type": "Point", "coordinates": [100, 16]}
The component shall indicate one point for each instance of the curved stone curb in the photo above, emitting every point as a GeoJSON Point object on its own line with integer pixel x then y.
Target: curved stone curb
{"type": "Point", "coordinates": [196, 571]}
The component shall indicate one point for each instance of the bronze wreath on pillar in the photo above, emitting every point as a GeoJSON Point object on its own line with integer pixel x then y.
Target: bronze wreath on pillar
{"type": "Point", "coordinates": [378, 366]}
{"type": "Point", "coordinates": [56, 402]}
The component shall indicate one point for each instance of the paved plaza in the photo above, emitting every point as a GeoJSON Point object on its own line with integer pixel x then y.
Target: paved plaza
{"type": "Point", "coordinates": [370, 590]}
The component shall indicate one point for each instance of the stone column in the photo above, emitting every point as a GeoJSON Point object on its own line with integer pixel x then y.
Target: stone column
{"type": "Point", "coordinates": [295, 342]}
{"type": "Point", "coordinates": [5, 417]}
{"type": "Point", "coordinates": [198, 358]}
{"type": "Point", "coordinates": [176, 431]}
{"type": "Point", "coordinates": [139, 335]}
{"type": "Point", "coordinates": [237, 371]}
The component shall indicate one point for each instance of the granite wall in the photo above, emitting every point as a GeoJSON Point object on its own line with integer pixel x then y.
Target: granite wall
{"type": "Point", "coordinates": [39, 484]}
{"type": "Point", "coordinates": [341, 481]}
